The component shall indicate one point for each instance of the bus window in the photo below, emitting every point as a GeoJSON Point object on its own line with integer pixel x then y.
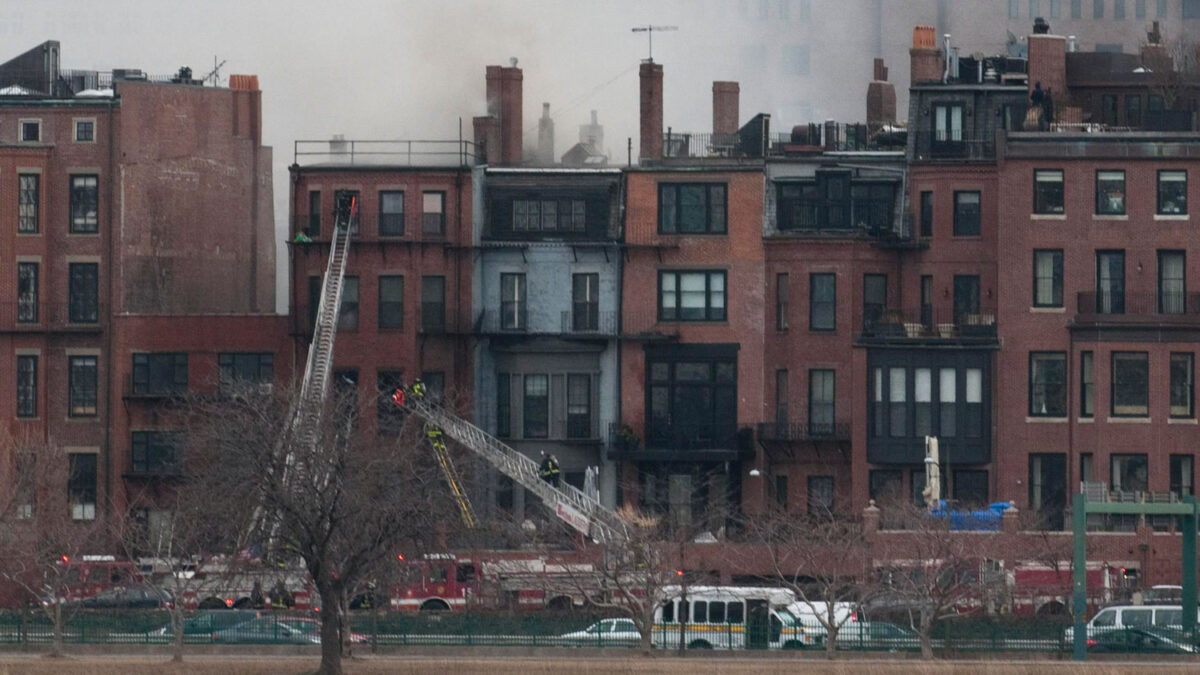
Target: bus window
{"type": "Point", "coordinates": [668, 612]}
{"type": "Point", "coordinates": [437, 575]}
{"type": "Point", "coordinates": [736, 612]}
{"type": "Point", "coordinates": [716, 612]}
{"type": "Point", "coordinates": [464, 574]}
{"type": "Point", "coordinates": [699, 611]}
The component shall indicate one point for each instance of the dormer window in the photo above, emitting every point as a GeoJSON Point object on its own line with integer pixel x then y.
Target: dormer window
{"type": "Point", "coordinates": [947, 129]}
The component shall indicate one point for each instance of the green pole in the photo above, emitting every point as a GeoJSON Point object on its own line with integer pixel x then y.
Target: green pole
{"type": "Point", "coordinates": [1079, 572]}
{"type": "Point", "coordinates": [1189, 570]}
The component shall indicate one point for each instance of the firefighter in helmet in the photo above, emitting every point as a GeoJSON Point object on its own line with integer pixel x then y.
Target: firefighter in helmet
{"type": "Point", "coordinates": [418, 389]}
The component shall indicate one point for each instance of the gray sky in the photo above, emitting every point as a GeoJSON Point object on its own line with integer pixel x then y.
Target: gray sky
{"type": "Point", "coordinates": [407, 69]}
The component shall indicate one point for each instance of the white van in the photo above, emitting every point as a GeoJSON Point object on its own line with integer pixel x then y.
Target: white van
{"type": "Point", "coordinates": [729, 617]}
{"type": "Point", "coordinates": [1133, 616]}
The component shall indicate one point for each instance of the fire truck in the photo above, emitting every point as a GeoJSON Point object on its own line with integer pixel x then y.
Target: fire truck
{"type": "Point", "coordinates": [1044, 589]}
{"type": "Point", "coordinates": [494, 580]}
{"type": "Point", "coordinates": [219, 585]}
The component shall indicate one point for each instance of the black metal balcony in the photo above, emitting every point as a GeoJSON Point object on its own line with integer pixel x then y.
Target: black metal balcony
{"type": "Point", "coordinates": [928, 323]}
{"type": "Point", "coordinates": [803, 431]}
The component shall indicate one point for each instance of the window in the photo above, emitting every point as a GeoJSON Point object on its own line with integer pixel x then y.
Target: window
{"type": "Point", "coordinates": [948, 402]}
{"type": "Point", "coordinates": [923, 402]}
{"type": "Point", "coordinates": [886, 485]}
{"type": "Point", "coordinates": [348, 314]}
{"type": "Point", "coordinates": [1108, 109]}
{"type": "Point", "coordinates": [1172, 192]}
{"type": "Point", "coordinates": [781, 397]}
{"type": "Point", "coordinates": [1034, 9]}
{"type": "Point", "coordinates": [579, 406]}
{"type": "Point", "coordinates": [691, 397]}
{"type": "Point", "coordinates": [1191, 9]}
{"type": "Point", "coordinates": [820, 495]}
{"type": "Point", "coordinates": [1161, 9]}
{"type": "Point", "coordinates": [926, 214]}
{"type": "Point", "coordinates": [1054, 8]}
{"type": "Point", "coordinates": [85, 131]}
{"type": "Point", "coordinates": [314, 213]}
{"type": "Point", "coordinates": [433, 304]}
{"type": "Point", "coordinates": [389, 417]}
{"type": "Point", "coordinates": [927, 300]}
{"type": "Point", "coordinates": [84, 292]}
{"type": "Point", "coordinates": [314, 301]}
{"type": "Point", "coordinates": [27, 292]}
{"type": "Point", "coordinates": [435, 383]}
{"type": "Point", "coordinates": [503, 405]}
{"type": "Point", "coordinates": [973, 411]}
{"type": "Point", "coordinates": [871, 206]}
{"type": "Point", "coordinates": [1097, 9]}
{"type": "Point", "coordinates": [1130, 384]}
{"type": "Point", "coordinates": [27, 203]}
{"type": "Point", "coordinates": [1014, 9]}
{"type": "Point", "coordinates": [1172, 290]}
{"type": "Point", "coordinates": [813, 205]}
{"type": "Point", "coordinates": [1119, 10]}
{"type": "Point", "coordinates": [821, 402]}
{"type": "Point", "coordinates": [1076, 9]}
{"type": "Point", "coordinates": [1047, 488]}
{"type": "Point", "coordinates": [391, 213]}
{"type": "Point", "coordinates": [344, 197]}
{"type": "Point", "coordinates": [782, 293]}
{"type": "Point", "coordinates": [897, 402]}
{"type": "Point", "coordinates": [537, 406]}
{"type": "Point", "coordinates": [822, 302]}
{"type": "Point", "coordinates": [85, 204]}
{"type": "Point", "coordinates": [1047, 384]}
{"type": "Point", "coordinates": [1110, 193]}
{"type": "Point", "coordinates": [1048, 191]}
{"type": "Point", "coordinates": [157, 452]}
{"type": "Point", "coordinates": [585, 302]}
{"type": "Point", "coordinates": [1087, 385]}
{"type": "Point", "coordinates": [966, 297]}
{"type": "Point", "coordinates": [1048, 278]}
{"type": "Point", "coordinates": [1182, 391]}
{"type": "Point", "coordinates": [433, 213]}
{"type": "Point", "coordinates": [31, 131]}
{"type": "Point", "coordinates": [549, 215]}
{"type": "Point", "coordinates": [691, 208]}
{"type": "Point", "coordinates": [160, 374]}
{"type": "Point", "coordinates": [1139, 9]}
{"type": "Point", "coordinates": [82, 386]}
{"type": "Point", "coordinates": [512, 302]}
{"type": "Point", "coordinates": [1130, 473]}
{"type": "Point", "coordinates": [391, 302]}
{"type": "Point", "coordinates": [27, 386]}
{"type": "Point", "coordinates": [691, 296]}
{"type": "Point", "coordinates": [874, 298]}
{"type": "Point", "coordinates": [966, 214]}
{"type": "Point", "coordinates": [1086, 467]}
{"type": "Point", "coordinates": [947, 124]}
{"type": "Point", "coordinates": [1110, 282]}
{"type": "Point", "coordinates": [246, 369]}
{"type": "Point", "coordinates": [81, 485]}
{"type": "Point", "coordinates": [970, 488]}
{"type": "Point", "coordinates": [1182, 475]}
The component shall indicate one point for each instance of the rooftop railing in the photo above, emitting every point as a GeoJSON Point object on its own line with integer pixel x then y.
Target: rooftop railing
{"type": "Point", "coordinates": [385, 152]}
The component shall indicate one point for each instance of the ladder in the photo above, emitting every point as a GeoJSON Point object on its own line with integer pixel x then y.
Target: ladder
{"type": "Point", "coordinates": [436, 440]}
{"type": "Point", "coordinates": [569, 503]}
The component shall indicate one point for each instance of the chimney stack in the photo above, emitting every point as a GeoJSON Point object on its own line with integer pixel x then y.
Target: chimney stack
{"type": "Point", "coordinates": [925, 57]}
{"type": "Point", "coordinates": [651, 110]}
{"type": "Point", "coordinates": [881, 100]}
{"type": "Point", "coordinates": [500, 131]}
{"type": "Point", "coordinates": [1048, 61]}
{"type": "Point", "coordinates": [725, 108]}
{"type": "Point", "coordinates": [545, 146]}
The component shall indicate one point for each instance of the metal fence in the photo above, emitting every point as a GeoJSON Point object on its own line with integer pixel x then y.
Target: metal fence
{"type": "Point", "coordinates": [382, 629]}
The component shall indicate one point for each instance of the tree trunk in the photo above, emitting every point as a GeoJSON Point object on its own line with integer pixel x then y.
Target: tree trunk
{"type": "Point", "coordinates": [645, 640]}
{"type": "Point", "coordinates": [56, 648]}
{"type": "Point", "coordinates": [177, 628]}
{"type": "Point", "coordinates": [926, 645]}
{"type": "Point", "coordinates": [331, 644]}
{"type": "Point", "coordinates": [831, 636]}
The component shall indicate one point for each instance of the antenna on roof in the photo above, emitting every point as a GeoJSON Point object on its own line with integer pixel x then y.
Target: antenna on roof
{"type": "Point", "coordinates": [649, 31]}
{"type": "Point", "coordinates": [215, 73]}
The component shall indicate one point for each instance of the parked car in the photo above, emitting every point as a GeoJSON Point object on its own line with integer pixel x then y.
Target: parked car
{"type": "Point", "coordinates": [271, 628]}
{"type": "Point", "coordinates": [1118, 617]}
{"type": "Point", "coordinates": [606, 633]}
{"type": "Point", "coordinates": [1143, 640]}
{"type": "Point", "coordinates": [207, 623]}
{"type": "Point", "coordinates": [140, 596]}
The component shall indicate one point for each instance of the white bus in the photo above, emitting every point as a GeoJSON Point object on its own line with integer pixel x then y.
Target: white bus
{"type": "Point", "coordinates": [729, 617]}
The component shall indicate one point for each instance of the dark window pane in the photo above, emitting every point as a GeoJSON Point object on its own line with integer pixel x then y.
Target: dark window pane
{"type": "Point", "coordinates": [27, 386]}
{"type": "Point", "coordinates": [1130, 384]}
{"type": "Point", "coordinates": [1110, 192]}
{"type": "Point", "coordinates": [1047, 384]}
{"type": "Point", "coordinates": [1182, 390]}
{"type": "Point", "coordinates": [391, 214]}
{"type": "Point", "coordinates": [966, 214]}
{"type": "Point", "coordinates": [822, 302]}
{"type": "Point", "coordinates": [85, 204]}
{"type": "Point", "coordinates": [1172, 192]}
{"type": "Point", "coordinates": [391, 302]}
{"type": "Point", "coordinates": [537, 406]}
{"type": "Point", "coordinates": [433, 304]}
{"type": "Point", "coordinates": [1048, 191]}
{"type": "Point", "coordinates": [84, 292]}
{"type": "Point", "coordinates": [83, 386]}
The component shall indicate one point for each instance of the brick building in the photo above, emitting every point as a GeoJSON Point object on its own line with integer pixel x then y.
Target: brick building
{"type": "Point", "coordinates": [120, 259]}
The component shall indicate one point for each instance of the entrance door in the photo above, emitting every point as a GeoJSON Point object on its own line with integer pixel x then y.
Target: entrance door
{"type": "Point", "coordinates": [758, 624]}
{"type": "Point", "coordinates": [1047, 488]}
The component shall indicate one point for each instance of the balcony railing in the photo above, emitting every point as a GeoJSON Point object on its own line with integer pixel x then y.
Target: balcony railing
{"type": "Point", "coordinates": [929, 323]}
{"type": "Point", "coordinates": [1125, 307]}
{"type": "Point", "coordinates": [933, 145]}
{"type": "Point", "coordinates": [35, 317]}
{"type": "Point", "coordinates": [493, 322]}
{"type": "Point", "coordinates": [589, 322]}
{"type": "Point", "coordinates": [382, 152]}
{"type": "Point", "coordinates": [685, 144]}
{"type": "Point", "coordinates": [804, 431]}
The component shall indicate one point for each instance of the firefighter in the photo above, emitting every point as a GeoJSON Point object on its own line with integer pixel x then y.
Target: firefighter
{"type": "Point", "coordinates": [554, 472]}
{"type": "Point", "coordinates": [398, 396]}
{"type": "Point", "coordinates": [418, 389]}
{"type": "Point", "coordinates": [548, 469]}
{"type": "Point", "coordinates": [434, 432]}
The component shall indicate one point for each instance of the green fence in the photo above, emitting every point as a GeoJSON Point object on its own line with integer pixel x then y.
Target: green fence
{"type": "Point", "coordinates": [392, 629]}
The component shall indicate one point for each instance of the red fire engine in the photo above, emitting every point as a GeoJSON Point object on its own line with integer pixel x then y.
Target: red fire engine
{"type": "Point", "coordinates": [493, 580]}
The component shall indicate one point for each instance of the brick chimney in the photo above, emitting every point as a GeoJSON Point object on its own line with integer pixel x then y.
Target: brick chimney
{"type": "Point", "coordinates": [503, 136]}
{"type": "Point", "coordinates": [545, 146]}
{"type": "Point", "coordinates": [651, 110]}
{"type": "Point", "coordinates": [881, 99]}
{"type": "Point", "coordinates": [1048, 63]}
{"type": "Point", "coordinates": [725, 108]}
{"type": "Point", "coordinates": [925, 57]}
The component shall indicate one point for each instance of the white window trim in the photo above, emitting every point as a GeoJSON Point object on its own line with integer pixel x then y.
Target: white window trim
{"type": "Point", "coordinates": [75, 129]}
{"type": "Point", "coordinates": [21, 122]}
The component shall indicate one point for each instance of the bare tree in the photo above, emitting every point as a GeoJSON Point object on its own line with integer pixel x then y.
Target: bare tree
{"type": "Point", "coordinates": [1174, 66]}
{"type": "Point", "coordinates": [824, 559]}
{"type": "Point", "coordinates": [43, 531]}
{"type": "Point", "coordinates": [927, 572]}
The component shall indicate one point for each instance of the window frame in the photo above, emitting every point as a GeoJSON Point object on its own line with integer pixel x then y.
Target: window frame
{"type": "Point", "coordinates": [962, 225]}
{"type": "Point", "coordinates": [782, 301]}
{"type": "Point", "coordinates": [1165, 305]}
{"type": "Point", "coordinates": [22, 126]}
{"type": "Point", "coordinates": [28, 291]}
{"type": "Point", "coordinates": [433, 226]}
{"type": "Point", "coordinates": [712, 314]}
{"type": "Point", "coordinates": [711, 225]}
{"type": "Point", "coordinates": [1113, 383]}
{"type": "Point", "coordinates": [528, 424]}
{"type": "Point", "coordinates": [75, 126]}
{"type": "Point", "coordinates": [585, 310]}
{"type": "Point", "coordinates": [228, 369]}
{"type": "Point", "coordinates": [83, 305]}
{"type": "Point", "coordinates": [428, 306]}
{"type": "Point", "coordinates": [504, 405]}
{"type": "Point", "coordinates": [83, 508]}
{"type": "Point", "coordinates": [517, 306]}
{"type": "Point", "coordinates": [140, 379]}
{"type": "Point", "coordinates": [1055, 279]}
{"type": "Point", "coordinates": [1042, 200]}
{"type": "Point", "coordinates": [1159, 203]}
{"type": "Point", "coordinates": [926, 213]}
{"type": "Point", "coordinates": [156, 452]}
{"type": "Point", "coordinates": [829, 374]}
{"type": "Point", "coordinates": [810, 505]}
{"type": "Point", "coordinates": [29, 199]}
{"type": "Point", "coordinates": [80, 199]}
{"type": "Point", "coordinates": [814, 304]}
{"type": "Point", "coordinates": [27, 386]}
{"type": "Point", "coordinates": [348, 310]}
{"type": "Point", "coordinates": [1087, 384]}
{"type": "Point", "coordinates": [1045, 384]}
{"type": "Point", "coordinates": [80, 401]}
{"type": "Point", "coordinates": [580, 421]}
{"type": "Point", "coordinates": [1190, 359]}
{"type": "Point", "coordinates": [1122, 457]}
{"type": "Point", "coordinates": [391, 223]}
{"type": "Point", "coordinates": [390, 310]}
{"type": "Point", "coordinates": [1102, 210]}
